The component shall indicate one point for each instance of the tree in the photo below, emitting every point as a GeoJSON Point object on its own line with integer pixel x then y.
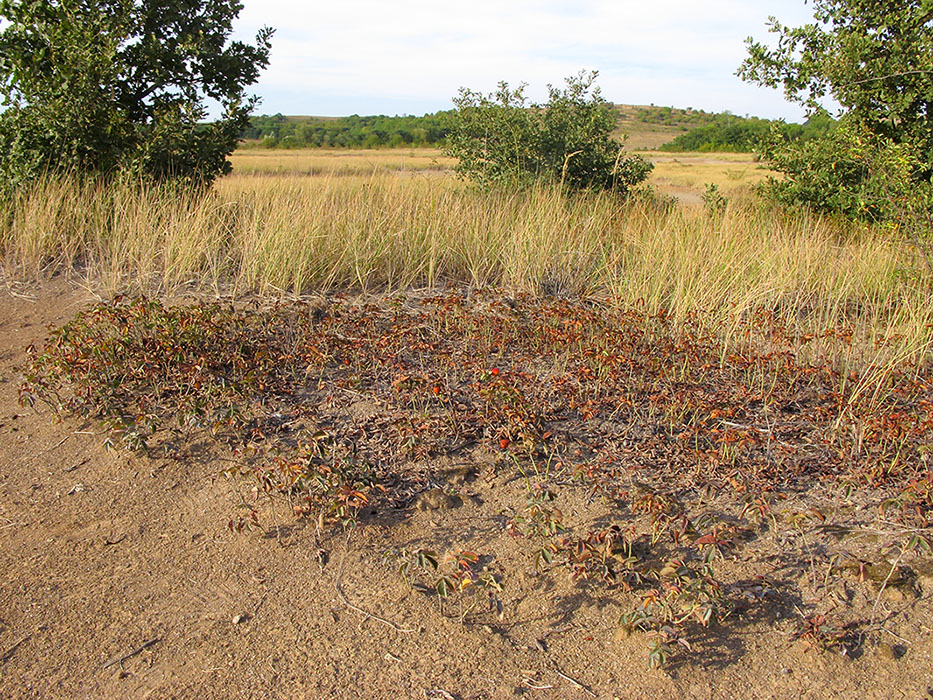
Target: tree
{"type": "Point", "coordinates": [876, 60]}
{"type": "Point", "coordinates": [502, 139]}
{"type": "Point", "coordinates": [107, 86]}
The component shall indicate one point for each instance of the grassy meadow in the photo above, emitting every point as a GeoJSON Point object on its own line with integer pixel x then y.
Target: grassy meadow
{"type": "Point", "coordinates": [339, 161]}
{"type": "Point", "coordinates": [391, 219]}
{"type": "Point", "coordinates": [683, 175]}
{"type": "Point", "coordinates": [686, 175]}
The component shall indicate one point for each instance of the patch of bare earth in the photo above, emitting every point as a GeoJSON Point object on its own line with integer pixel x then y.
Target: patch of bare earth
{"type": "Point", "coordinates": [119, 578]}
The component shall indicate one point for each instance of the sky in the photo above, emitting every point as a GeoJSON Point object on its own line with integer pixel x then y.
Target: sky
{"type": "Point", "coordinates": [411, 56]}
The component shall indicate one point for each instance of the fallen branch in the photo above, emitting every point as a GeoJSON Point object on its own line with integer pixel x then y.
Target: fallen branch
{"type": "Point", "coordinates": [129, 655]}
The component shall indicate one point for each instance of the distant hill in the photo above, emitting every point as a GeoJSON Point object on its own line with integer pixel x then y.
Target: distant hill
{"type": "Point", "coordinates": [651, 126]}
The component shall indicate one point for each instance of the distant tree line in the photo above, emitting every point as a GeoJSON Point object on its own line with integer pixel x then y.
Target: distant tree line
{"type": "Point", "coordinates": [728, 132]}
{"type": "Point", "coordinates": [278, 131]}
{"type": "Point", "coordinates": [713, 132]}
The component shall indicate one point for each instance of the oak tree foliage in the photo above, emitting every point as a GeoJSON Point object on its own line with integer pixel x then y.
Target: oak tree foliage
{"type": "Point", "coordinates": [122, 86]}
{"type": "Point", "coordinates": [875, 60]}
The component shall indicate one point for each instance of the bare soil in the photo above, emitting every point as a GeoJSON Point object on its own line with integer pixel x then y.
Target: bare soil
{"type": "Point", "coordinates": [119, 578]}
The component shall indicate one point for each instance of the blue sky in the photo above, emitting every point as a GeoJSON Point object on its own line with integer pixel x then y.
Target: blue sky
{"type": "Point", "coordinates": [411, 56]}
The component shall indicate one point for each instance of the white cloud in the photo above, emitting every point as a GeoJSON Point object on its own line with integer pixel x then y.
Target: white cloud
{"type": "Point", "coordinates": [373, 56]}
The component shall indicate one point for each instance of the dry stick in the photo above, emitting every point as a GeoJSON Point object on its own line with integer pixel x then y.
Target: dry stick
{"type": "Point", "coordinates": [572, 681]}
{"type": "Point", "coordinates": [884, 585]}
{"type": "Point", "coordinates": [131, 654]}
{"type": "Point", "coordinates": [343, 596]}
{"type": "Point", "coordinates": [563, 171]}
{"type": "Point", "coordinates": [16, 645]}
{"type": "Point", "coordinates": [896, 636]}
{"type": "Point", "coordinates": [49, 449]}
{"type": "Point", "coordinates": [537, 687]}
{"type": "Point", "coordinates": [275, 520]}
{"type": "Point", "coordinates": [259, 605]}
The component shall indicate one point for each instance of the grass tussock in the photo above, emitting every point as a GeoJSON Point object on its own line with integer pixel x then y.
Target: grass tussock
{"type": "Point", "coordinates": [293, 235]}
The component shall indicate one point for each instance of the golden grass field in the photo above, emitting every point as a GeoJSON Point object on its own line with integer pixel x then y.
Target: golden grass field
{"type": "Point", "coordinates": [686, 175]}
{"type": "Point", "coordinates": [639, 136]}
{"type": "Point", "coordinates": [683, 175]}
{"type": "Point", "coordinates": [338, 161]}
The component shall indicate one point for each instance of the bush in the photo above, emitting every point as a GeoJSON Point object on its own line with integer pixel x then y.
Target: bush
{"type": "Point", "coordinates": [727, 132]}
{"type": "Point", "coordinates": [851, 171]}
{"type": "Point", "coordinates": [500, 139]}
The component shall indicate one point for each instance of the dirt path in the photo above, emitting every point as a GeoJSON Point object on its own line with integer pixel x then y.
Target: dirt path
{"type": "Point", "coordinates": [120, 579]}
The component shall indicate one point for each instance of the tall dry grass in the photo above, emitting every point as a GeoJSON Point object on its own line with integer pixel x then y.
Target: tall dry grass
{"type": "Point", "coordinates": [291, 235]}
{"type": "Point", "coordinates": [338, 161]}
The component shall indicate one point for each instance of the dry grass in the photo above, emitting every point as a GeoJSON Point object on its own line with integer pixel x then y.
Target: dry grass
{"type": "Point", "coordinates": [338, 161]}
{"type": "Point", "coordinates": [639, 135]}
{"type": "Point", "coordinates": [686, 175]}
{"type": "Point", "coordinates": [295, 234]}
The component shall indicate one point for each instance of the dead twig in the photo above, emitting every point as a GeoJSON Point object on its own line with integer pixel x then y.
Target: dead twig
{"type": "Point", "coordinates": [531, 685]}
{"type": "Point", "coordinates": [573, 681]}
{"type": "Point", "coordinates": [438, 693]}
{"type": "Point", "coordinates": [8, 654]}
{"type": "Point", "coordinates": [874, 610]}
{"type": "Point", "coordinates": [129, 655]}
{"type": "Point", "coordinates": [53, 447]}
{"type": "Point", "coordinates": [896, 636]}
{"type": "Point", "coordinates": [343, 597]}
{"type": "Point", "coordinates": [884, 585]}
{"type": "Point", "coordinates": [11, 523]}
{"type": "Point", "coordinates": [258, 605]}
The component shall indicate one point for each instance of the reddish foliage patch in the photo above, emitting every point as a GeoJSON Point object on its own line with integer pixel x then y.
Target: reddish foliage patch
{"type": "Point", "coordinates": [333, 409]}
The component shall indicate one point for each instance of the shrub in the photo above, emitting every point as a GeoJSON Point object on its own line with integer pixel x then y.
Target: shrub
{"type": "Point", "coordinates": [851, 171]}
{"type": "Point", "coordinates": [501, 139]}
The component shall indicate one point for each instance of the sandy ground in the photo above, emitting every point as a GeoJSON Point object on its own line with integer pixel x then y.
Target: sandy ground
{"type": "Point", "coordinates": [120, 579]}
